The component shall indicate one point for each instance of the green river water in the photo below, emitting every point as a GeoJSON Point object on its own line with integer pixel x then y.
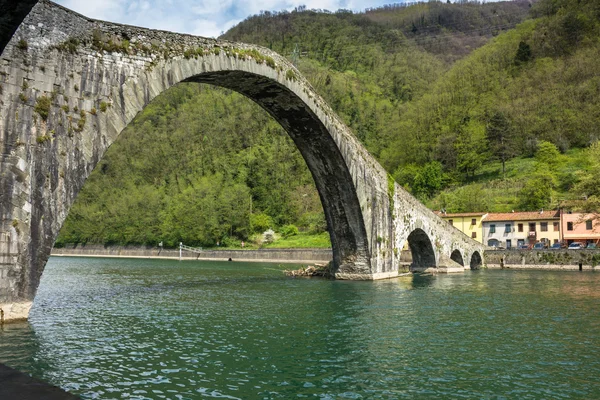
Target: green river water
{"type": "Point", "coordinates": [156, 329]}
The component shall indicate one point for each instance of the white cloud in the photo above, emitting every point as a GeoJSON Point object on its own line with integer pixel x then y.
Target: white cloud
{"type": "Point", "coordinates": [106, 9]}
{"type": "Point", "coordinates": [198, 17]}
{"type": "Point", "coordinates": [206, 28]}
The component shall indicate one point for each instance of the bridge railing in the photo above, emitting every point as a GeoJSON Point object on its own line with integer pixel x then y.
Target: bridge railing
{"type": "Point", "coordinates": [183, 247]}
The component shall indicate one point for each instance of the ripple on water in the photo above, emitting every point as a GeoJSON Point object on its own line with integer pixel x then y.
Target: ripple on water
{"type": "Point", "coordinates": [148, 329]}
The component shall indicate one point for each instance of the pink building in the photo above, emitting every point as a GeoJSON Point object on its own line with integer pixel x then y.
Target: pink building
{"type": "Point", "coordinates": [579, 227]}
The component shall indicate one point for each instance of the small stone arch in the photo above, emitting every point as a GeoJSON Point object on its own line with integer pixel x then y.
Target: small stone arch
{"type": "Point", "coordinates": [457, 257]}
{"type": "Point", "coordinates": [423, 256]}
{"type": "Point", "coordinates": [476, 260]}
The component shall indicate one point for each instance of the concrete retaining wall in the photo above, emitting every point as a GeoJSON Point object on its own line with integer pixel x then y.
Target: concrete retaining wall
{"type": "Point", "coordinates": [544, 259]}
{"type": "Point", "coordinates": [263, 255]}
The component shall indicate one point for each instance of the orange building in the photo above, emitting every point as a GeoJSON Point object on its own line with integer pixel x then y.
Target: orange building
{"type": "Point", "coordinates": [579, 227]}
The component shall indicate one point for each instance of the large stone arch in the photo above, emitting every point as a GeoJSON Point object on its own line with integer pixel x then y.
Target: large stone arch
{"type": "Point", "coordinates": [69, 85]}
{"type": "Point", "coordinates": [320, 151]}
{"type": "Point", "coordinates": [98, 76]}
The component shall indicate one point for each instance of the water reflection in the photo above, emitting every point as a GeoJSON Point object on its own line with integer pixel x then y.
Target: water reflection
{"type": "Point", "coordinates": [148, 329]}
{"type": "Point", "coordinates": [421, 281]}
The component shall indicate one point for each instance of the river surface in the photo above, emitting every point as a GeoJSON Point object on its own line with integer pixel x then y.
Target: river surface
{"type": "Point", "coordinates": [156, 329]}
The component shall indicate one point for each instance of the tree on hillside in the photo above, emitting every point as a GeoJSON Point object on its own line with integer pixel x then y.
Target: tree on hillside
{"type": "Point", "coordinates": [501, 139]}
{"type": "Point", "coordinates": [548, 154]}
{"type": "Point", "coordinates": [588, 186]}
{"type": "Point", "coordinates": [470, 147]}
{"type": "Point", "coordinates": [537, 192]}
{"type": "Point", "coordinates": [523, 53]}
{"type": "Point", "coordinates": [428, 181]}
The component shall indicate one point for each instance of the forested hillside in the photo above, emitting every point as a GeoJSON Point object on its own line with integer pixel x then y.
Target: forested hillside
{"type": "Point", "coordinates": [204, 165]}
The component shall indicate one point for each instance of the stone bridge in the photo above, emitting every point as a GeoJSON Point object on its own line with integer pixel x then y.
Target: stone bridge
{"type": "Point", "coordinates": [69, 85]}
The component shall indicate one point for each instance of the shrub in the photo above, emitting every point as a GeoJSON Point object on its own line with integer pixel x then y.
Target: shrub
{"type": "Point", "coordinates": [290, 75]}
{"type": "Point", "coordinates": [42, 139]}
{"type": "Point", "coordinates": [42, 107]}
{"type": "Point", "coordinates": [22, 44]}
{"type": "Point", "coordinates": [289, 230]}
{"type": "Point", "coordinates": [260, 222]}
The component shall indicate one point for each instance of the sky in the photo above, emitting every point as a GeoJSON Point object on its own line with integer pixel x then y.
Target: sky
{"type": "Point", "coordinates": [198, 17]}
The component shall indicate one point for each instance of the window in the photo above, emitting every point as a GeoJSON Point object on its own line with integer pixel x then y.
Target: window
{"type": "Point", "coordinates": [532, 227]}
{"type": "Point", "coordinates": [474, 235]}
{"type": "Point", "coordinates": [544, 226]}
{"type": "Point", "coordinates": [508, 244]}
{"type": "Point", "coordinates": [588, 224]}
{"type": "Point", "coordinates": [556, 226]}
{"type": "Point", "coordinates": [492, 228]}
{"type": "Point", "coordinates": [507, 228]}
{"type": "Point", "coordinates": [473, 221]}
{"type": "Point", "coordinates": [520, 227]}
{"type": "Point", "coordinates": [569, 226]}
{"type": "Point", "coordinates": [450, 222]}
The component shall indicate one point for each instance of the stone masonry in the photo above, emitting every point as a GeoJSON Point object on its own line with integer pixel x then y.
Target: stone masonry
{"type": "Point", "coordinates": [69, 85]}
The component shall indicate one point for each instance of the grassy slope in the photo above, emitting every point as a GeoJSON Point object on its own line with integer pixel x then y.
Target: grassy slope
{"type": "Point", "coordinates": [501, 195]}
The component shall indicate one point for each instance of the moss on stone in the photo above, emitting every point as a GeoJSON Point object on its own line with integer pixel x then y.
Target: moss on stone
{"type": "Point", "coordinates": [42, 139]}
{"type": "Point", "coordinates": [290, 75]}
{"type": "Point", "coordinates": [69, 46]}
{"type": "Point", "coordinates": [22, 44]}
{"type": "Point", "coordinates": [391, 193]}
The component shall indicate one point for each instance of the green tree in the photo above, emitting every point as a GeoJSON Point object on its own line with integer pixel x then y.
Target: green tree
{"type": "Point", "coordinates": [501, 139]}
{"type": "Point", "coordinates": [524, 54]}
{"type": "Point", "coordinates": [587, 187]}
{"type": "Point", "coordinates": [548, 154]}
{"type": "Point", "coordinates": [260, 222]}
{"type": "Point", "coordinates": [470, 147]}
{"type": "Point", "coordinates": [428, 180]}
{"type": "Point", "coordinates": [537, 191]}
{"type": "Point", "coordinates": [467, 199]}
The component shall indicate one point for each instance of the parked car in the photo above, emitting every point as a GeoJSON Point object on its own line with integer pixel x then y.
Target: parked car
{"type": "Point", "coordinates": [576, 246]}
{"type": "Point", "coordinates": [539, 246]}
{"type": "Point", "coordinates": [591, 246]}
{"type": "Point", "coordinates": [523, 247]}
{"type": "Point", "coordinates": [556, 246]}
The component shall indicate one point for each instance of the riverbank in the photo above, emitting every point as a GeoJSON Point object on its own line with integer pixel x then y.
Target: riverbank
{"type": "Point", "coordinates": [262, 255]}
{"type": "Point", "coordinates": [553, 260]}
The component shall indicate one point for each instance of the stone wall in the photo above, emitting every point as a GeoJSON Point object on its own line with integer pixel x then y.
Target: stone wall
{"type": "Point", "coordinates": [262, 255]}
{"type": "Point", "coordinates": [544, 259]}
